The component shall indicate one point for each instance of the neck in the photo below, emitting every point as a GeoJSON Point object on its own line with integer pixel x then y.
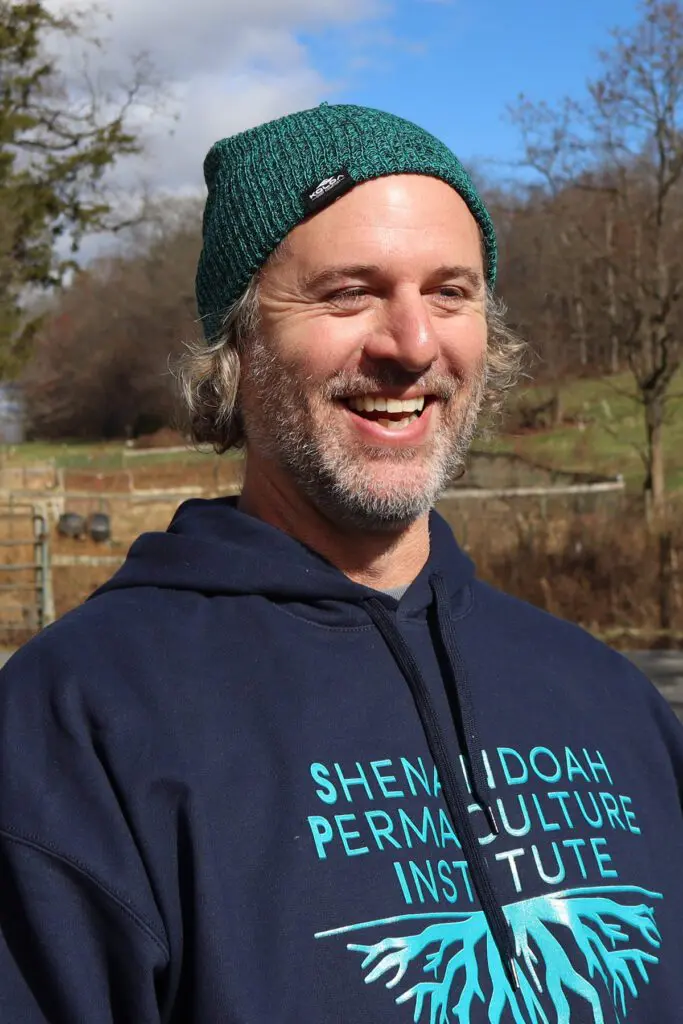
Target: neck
{"type": "Point", "coordinates": [379, 559]}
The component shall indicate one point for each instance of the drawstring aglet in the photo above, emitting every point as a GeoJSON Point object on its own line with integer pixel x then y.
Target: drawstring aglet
{"type": "Point", "coordinates": [491, 819]}
{"type": "Point", "coordinates": [512, 971]}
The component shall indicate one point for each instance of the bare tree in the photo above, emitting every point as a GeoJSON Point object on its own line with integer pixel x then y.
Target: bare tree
{"type": "Point", "coordinates": [101, 361]}
{"type": "Point", "coordinates": [625, 142]}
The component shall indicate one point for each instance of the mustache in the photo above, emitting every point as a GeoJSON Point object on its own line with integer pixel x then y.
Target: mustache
{"type": "Point", "coordinates": [351, 384]}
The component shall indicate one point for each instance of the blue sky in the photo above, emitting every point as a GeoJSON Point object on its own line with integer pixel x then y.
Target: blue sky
{"type": "Point", "coordinates": [454, 66]}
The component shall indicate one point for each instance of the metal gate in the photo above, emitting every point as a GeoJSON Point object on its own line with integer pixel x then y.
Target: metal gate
{"type": "Point", "coordinates": [25, 578]}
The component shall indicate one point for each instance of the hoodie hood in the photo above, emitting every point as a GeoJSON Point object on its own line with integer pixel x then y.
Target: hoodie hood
{"type": "Point", "coordinates": [212, 548]}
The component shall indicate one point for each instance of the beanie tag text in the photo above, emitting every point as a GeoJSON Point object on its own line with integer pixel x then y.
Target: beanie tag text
{"type": "Point", "coordinates": [326, 191]}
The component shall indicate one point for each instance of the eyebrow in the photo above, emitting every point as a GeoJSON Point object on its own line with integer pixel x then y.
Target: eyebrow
{"type": "Point", "coordinates": [456, 270]}
{"type": "Point", "coordinates": [332, 275]}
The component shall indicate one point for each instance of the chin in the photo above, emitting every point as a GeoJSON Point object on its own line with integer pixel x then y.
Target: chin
{"type": "Point", "coordinates": [364, 519]}
{"type": "Point", "coordinates": [379, 508]}
{"type": "Point", "coordinates": [403, 484]}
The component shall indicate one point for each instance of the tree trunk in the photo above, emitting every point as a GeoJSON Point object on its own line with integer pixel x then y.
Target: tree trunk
{"type": "Point", "coordinates": [655, 477]}
{"type": "Point", "coordinates": [666, 589]}
{"type": "Point", "coordinates": [581, 330]}
{"type": "Point", "coordinates": [612, 311]}
{"type": "Point", "coordinates": [557, 407]}
{"type": "Point", "coordinates": [614, 362]}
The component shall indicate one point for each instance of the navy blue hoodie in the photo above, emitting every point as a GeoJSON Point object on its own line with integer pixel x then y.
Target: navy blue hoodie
{"type": "Point", "coordinates": [238, 788]}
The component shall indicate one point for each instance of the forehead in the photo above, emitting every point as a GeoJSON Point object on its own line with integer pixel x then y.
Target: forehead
{"type": "Point", "coordinates": [401, 217]}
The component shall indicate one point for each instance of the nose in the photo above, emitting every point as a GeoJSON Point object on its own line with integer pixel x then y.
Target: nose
{"type": "Point", "coordinates": [404, 333]}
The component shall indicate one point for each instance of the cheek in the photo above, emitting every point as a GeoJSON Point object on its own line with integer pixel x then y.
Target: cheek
{"type": "Point", "coordinates": [463, 343]}
{"type": "Point", "coordinates": [322, 345]}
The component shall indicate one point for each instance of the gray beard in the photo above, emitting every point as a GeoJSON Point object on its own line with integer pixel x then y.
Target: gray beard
{"type": "Point", "coordinates": [280, 422]}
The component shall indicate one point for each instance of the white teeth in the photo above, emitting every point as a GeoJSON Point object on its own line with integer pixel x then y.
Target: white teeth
{"type": "Point", "coordinates": [377, 403]}
{"type": "Point", "coordinates": [397, 424]}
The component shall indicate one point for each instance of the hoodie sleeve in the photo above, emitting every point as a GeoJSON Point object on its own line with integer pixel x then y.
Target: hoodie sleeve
{"type": "Point", "coordinates": [81, 940]}
{"type": "Point", "coordinates": [70, 952]}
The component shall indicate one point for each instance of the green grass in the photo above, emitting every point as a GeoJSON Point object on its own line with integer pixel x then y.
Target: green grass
{"type": "Point", "coordinates": [609, 435]}
{"type": "Point", "coordinates": [66, 455]}
{"type": "Point", "coordinates": [103, 456]}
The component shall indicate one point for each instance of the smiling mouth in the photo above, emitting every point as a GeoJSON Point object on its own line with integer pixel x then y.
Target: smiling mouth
{"type": "Point", "coordinates": [391, 413]}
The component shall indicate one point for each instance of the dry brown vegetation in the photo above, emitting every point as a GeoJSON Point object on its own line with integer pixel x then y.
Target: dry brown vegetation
{"type": "Point", "coordinates": [572, 563]}
{"type": "Point", "coordinates": [599, 568]}
{"type": "Point", "coordinates": [101, 364]}
{"type": "Point", "coordinates": [587, 559]}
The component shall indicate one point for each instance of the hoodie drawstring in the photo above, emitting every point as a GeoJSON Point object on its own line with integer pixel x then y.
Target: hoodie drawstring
{"type": "Point", "coordinates": [463, 693]}
{"type": "Point", "coordinates": [456, 800]}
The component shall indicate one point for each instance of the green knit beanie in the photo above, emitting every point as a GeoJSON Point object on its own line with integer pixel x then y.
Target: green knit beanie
{"type": "Point", "coordinates": [266, 180]}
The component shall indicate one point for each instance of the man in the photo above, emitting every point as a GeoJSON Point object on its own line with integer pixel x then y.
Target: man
{"type": "Point", "coordinates": [294, 762]}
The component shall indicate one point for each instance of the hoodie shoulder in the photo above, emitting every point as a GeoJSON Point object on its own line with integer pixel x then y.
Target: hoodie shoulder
{"type": "Point", "coordinates": [105, 651]}
{"type": "Point", "coordinates": [535, 635]}
{"type": "Point", "coordinates": [519, 620]}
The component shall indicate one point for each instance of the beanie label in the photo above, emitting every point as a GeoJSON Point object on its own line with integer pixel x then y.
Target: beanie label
{"type": "Point", "coordinates": [326, 191]}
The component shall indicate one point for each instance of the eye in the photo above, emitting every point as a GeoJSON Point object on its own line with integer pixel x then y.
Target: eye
{"type": "Point", "coordinates": [451, 291]}
{"type": "Point", "coordinates": [349, 297]}
{"type": "Point", "coordinates": [448, 298]}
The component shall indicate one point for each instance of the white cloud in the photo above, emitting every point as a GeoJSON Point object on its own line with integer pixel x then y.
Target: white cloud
{"type": "Point", "coordinates": [228, 104]}
{"type": "Point", "coordinates": [215, 34]}
{"type": "Point", "coordinates": [225, 64]}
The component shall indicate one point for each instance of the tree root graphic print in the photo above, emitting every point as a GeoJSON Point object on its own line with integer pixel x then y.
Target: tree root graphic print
{"type": "Point", "coordinates": [613, 938]}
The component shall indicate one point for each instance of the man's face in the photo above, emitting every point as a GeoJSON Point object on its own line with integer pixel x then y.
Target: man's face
{"type": "Point", "coordinates": [364, 385]}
